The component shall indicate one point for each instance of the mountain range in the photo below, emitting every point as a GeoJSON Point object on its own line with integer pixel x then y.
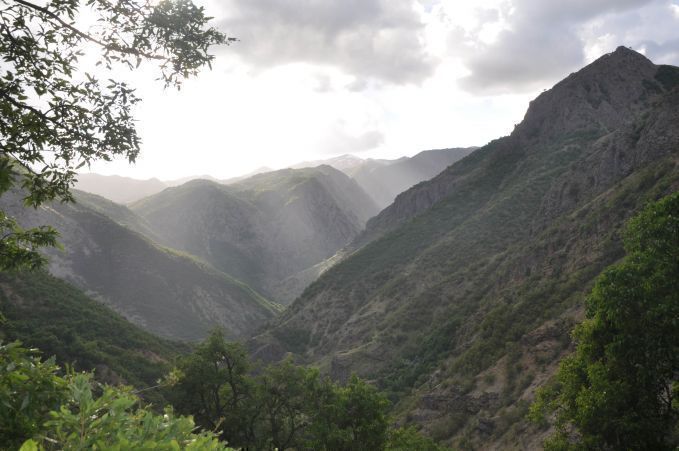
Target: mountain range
{"type": "Point", "coordinates": [458, 298]}
{"type": "Point", "coordinates": [263, 229]}
{"type": "Point", "coordinates": [382, 179]}
{"type": "Point", "coordinates": [168, 293]}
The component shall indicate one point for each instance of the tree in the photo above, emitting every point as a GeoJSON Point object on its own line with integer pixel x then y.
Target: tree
{"type": "Point", "coordinates": [619, 389]}
{"type": "Point", "coordinates": [41, 410]}
{"type": "Point", "coordinates": [56, 116]}
{"type": "Point", "coordinates": [284, 398]}
{"type": "Point", "coordinates": [213, 385]}
{"type": "Point", "coordinates": [283, 406]}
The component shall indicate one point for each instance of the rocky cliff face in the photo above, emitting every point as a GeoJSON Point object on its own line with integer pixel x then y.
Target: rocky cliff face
{"type": "Point", "coordinates": [460, 295]}
{"type": "Point", "coordinates": [169, 294]}
{"type": "Point", "coordinates": [263, 229]}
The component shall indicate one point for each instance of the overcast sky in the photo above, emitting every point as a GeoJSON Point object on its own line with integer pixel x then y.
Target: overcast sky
{"type": "Point", "coordinates": [311, 79]}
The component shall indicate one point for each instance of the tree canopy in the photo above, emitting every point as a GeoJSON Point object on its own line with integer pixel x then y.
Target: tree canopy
{"type": "Point", "coordinates": [620, 389]}
{"type": "Point", "coordinates": [58, 115]}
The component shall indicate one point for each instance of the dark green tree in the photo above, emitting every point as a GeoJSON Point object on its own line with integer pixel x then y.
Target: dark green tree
{"type": "Point", "coordinates": [213, 385]}
{"type": "Point", "coordinates": [283, 406]}
{"type": "Point", "coordinates": [284, 398]}
{"type": "Point", "coordinates": [619, 389]}
{"type": "Point", "coordinates": [56, 117]}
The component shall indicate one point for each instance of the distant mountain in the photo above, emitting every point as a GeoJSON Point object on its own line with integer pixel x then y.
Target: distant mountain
{"type": "Point", "coordinates": [385, 180]}
{"type": "Point", "coordinates": [263, 229]}
{"type": "Point", "coordinates": [117, 212]}
{"type": "Point", "coordinates": [345, 163]}
{"type": "Point", "coordinates": [119, 189]}
{"type": "Point", "coordinates": [257, 171]}
{"type": "Point", "coordinates": [460, 296]}
{"type": "Point", "coordinates": [181, 181]}
{"type": "Point", "coordinates": [167, 293]}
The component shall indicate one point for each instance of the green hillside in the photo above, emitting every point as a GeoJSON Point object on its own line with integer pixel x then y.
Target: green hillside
{"type": "Point", "coordinates": [60, 320]}
{"type": "Point", "coordinates": [165, 292]}
{"type": "Point", "coordinates": [461, 295]}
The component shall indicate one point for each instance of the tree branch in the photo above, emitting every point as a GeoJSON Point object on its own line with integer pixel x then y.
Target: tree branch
{"type": "Point", "coordinates": [86, 36]}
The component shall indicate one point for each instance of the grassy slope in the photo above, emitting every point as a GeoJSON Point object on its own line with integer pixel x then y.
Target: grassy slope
{"type": "Point", "coordinates": [60, 320]}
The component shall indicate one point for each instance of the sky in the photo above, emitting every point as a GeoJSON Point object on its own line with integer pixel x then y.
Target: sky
{"type": "Point", "coordinates": [313, 79]}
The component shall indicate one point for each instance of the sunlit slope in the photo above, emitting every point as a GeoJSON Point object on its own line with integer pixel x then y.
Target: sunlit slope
{"type": "Point", "coordinates": [265, 228]}
{"type": "Point", "coordinates": [165, 292]}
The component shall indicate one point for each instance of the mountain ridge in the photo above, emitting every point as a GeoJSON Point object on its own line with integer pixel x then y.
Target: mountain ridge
{"type": "Point", "coordinates": [265, 228]}
{"type": "Point", "coordinates": [447, 281]}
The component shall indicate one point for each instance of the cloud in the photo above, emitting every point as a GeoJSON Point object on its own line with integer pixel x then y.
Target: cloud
{"type": "Point", "coordinates": [339, 140]}
{"type": "Point", "coordinates": [376, 39]}
{"type": "Point", "coordinates": [540, 42]}
{"type": "Point", "coordinates": [662, 53]}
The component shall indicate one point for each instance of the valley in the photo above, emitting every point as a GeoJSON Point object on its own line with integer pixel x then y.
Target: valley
{"type": "Point", "coordinates": [450, 280]}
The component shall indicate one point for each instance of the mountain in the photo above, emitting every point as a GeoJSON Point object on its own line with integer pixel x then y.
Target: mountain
{"type": "Point", "coordinates": [117, 212]}
{"type": "Point", "coordinates": [119, 189]}
{"type": "Point", "coordinates": [460, 296]}
{"type": "Point", "coordinates": [240, 178]}
{"type": "Point", "coordinates": [263, 229]}
{"type": "Point", "coordinates": [345, 163]}
{"type": "Point", "coordinates": [161, 290]}
{"type": "Point", "coordinates": [384, 181]}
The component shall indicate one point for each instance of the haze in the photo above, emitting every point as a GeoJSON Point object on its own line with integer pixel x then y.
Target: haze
{"type": "Point", "coordinates": [314, 79]}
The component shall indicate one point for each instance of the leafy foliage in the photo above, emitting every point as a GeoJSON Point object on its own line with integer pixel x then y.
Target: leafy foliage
{"type": "Point", "coordinates": [619, 389]}
{"type": "Point", "coordinates": [45, 411]}
{"type": "Point", "coordinates": [29, 389]}
{"type": "Point", "coordinates": [56, 116]}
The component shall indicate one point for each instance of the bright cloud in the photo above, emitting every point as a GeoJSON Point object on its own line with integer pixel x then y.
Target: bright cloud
{"type": "Point", "coordinates": [383, 78]}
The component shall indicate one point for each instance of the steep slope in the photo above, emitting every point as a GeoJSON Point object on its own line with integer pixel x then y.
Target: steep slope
{"type": "Point", "coordinates": [119, 189]}
{"type": "Point", "coordinates": [460, 299]}
{"type": "Point", "coordinates": [117, 212]}
{"type": "Point", "coordinates": [383, 182]}
{"type": "Point", "coordinates": [265, 228]}
{"type": "Point", "coordinates": [172, 295]}
{"type": "Point", "coordinates": [61, 321]}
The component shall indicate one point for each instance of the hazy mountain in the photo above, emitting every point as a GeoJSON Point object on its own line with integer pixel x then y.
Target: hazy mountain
{"type": "Point", "coordinates": [167, 293]}
{"type": "Point", "coordinates": [119, 189]}
{"type": "Point", "coordinates": [257, 171]}
{"type": "Point", "coordinates": [181, 181]}
{"type": "Point", "coordinates": [384, 181]}
{"type": "Point", "coordinates": [461, 299]}
{"type": "Point", "coordinates": [345, 163]}
{"type": "Point", "coordinates": [265, 228]}
{"type": "Point", "coordinates": [117, 212]}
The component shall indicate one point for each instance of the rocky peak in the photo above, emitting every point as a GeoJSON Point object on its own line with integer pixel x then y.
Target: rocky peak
{"type": "Point", "coordinates": [602, 96]}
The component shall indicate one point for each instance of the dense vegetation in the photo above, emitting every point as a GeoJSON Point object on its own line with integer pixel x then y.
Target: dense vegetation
{"type": "Point", "coordinates": [43, 410]}
{"type": "Point", "coordinates": [281, 407]}
{"type": "Point", "coordinates": [620, 389]}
